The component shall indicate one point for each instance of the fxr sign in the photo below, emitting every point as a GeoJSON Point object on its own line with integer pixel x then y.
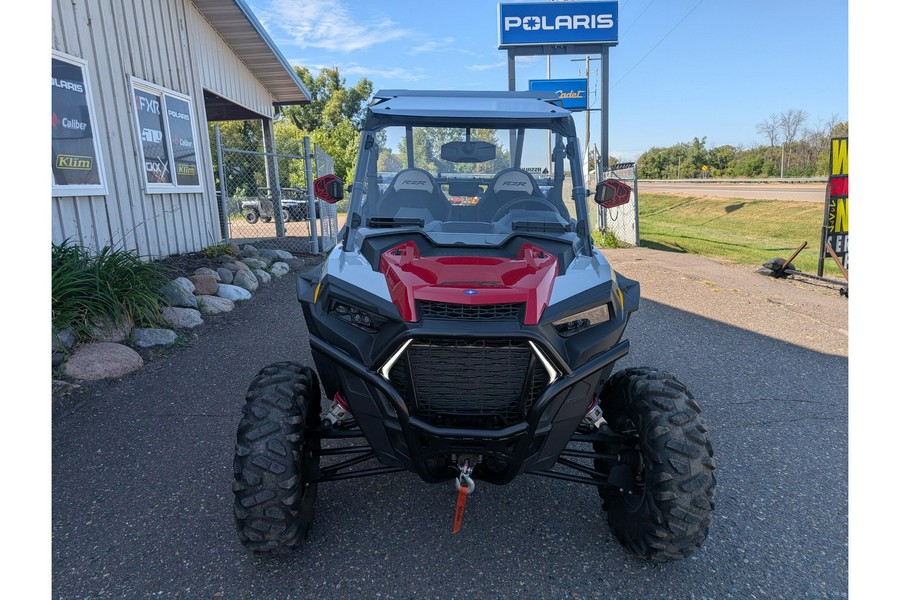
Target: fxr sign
{"type": "Point", "coordinates": [563, 23]}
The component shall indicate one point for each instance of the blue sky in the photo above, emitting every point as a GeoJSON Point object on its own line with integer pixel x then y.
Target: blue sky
{"type": "Point", "coordinates": [682, 68]}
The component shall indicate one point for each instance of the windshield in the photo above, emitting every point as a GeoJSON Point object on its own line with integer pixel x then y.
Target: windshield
{"type": "Point", "coordinates": [468, 186]}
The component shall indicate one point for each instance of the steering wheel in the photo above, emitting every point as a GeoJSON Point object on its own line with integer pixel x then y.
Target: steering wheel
{"type": "Point", "coordinates": [525, 200]}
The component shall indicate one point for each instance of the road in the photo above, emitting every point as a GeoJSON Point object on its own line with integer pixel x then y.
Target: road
{"type": "Point", "coordinates": [799, 192]}
{"type": "Point", "coordinates": [141, 488]}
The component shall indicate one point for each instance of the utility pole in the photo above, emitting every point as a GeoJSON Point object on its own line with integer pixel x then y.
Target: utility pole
{"type": "Point", "coordinates": [587, 113]}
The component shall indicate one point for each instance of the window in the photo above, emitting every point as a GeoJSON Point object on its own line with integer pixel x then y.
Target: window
{"type": "Point", "coordinates": [165, 126]}
{"type": "Point", "coordinates": [77, 163]}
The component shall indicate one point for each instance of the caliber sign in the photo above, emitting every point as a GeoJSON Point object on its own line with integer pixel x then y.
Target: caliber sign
{"type": "Point", "coordinates": [572, 92]}
{"type": "Point", "coordinates": [562, 23]}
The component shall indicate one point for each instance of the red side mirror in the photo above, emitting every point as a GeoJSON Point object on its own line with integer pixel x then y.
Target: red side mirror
{"type": "Point", "coordinates": [329, 188]}
{"type": "Point", "coordinates": [612, 193]}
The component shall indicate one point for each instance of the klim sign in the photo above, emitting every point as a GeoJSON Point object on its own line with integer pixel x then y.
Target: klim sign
{"type": "Point", "coordinates": [572, 92]}
{"type": "Point", "coordinates": [563, 23]}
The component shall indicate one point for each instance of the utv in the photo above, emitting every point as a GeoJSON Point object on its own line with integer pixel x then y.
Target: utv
{"type": "Point", "coordinates": [472, 341]}
{"type": "Point", "coordinates": [262, 208]}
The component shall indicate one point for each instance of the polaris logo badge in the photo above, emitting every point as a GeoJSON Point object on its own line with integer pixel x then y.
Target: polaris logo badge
{"type": "Point", "coordinates": [470, 292]}
{"type": "Point", "coordinates": [561, 22]}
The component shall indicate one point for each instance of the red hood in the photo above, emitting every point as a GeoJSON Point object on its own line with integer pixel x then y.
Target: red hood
{"type": "Point", "coordinates": [469, 280]}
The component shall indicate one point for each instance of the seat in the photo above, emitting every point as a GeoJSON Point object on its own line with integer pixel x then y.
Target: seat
{"type": "Point", "coordinates": [412, 193]}
{"type": "Point", "coordinates": [506, 186]}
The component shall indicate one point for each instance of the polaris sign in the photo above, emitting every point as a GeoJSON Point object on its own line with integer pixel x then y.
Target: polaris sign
{"type": "Point", "coordinates": [558, 23]}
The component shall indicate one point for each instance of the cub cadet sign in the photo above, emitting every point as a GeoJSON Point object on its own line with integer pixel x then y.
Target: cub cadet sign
{"type": "Point", "coordinates": [540, 23]}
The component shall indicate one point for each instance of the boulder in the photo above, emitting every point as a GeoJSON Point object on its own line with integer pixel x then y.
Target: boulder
{"type": "Point", "coordinates": [102, 360]}
{"type": "Point", "coordinates": [107, 331]}
{"type": "Point", "coordinates": [185, 283]}
{"type": "Point", "coordinates": [249, 251]}
{"type": "Point", "coordinates": [262, 276]}
{"type": "Point", "coordinates": [268, 254]}
{"type": "Point", "coordinates": [207, 271]}
{"type": "Point", "coordinates": [204, 285]}
{"type": "Point", "coordinates": [174, 293]}
{"type": "Point", "coordinates": [182, 318]}
{"type": "Point", "coordinates": [232, 292]}
{"type": "Point", "coordinates": [280, 269]}
{"type": "Point", "coordinates": [214, 305]}
{"type": "Point", "coordinates": [247, 280]}
{"type": "Point", "coordinates": [225, 275]}
{"type": "Point", "coordinates": [256, 263]}
{"type": "Point", "coordinates": [147, 338]}
{"type": "Point", "coordinates": [283, 254]}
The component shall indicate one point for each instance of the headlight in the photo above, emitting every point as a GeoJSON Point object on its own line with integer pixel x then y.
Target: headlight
{"type": "Point", "coordinates": [581, 321]}
{"type": "Point", "coordinates": [356, 316]}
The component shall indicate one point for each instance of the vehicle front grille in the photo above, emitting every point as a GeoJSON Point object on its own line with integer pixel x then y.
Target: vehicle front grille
{"type": "Point", "coordinates": [464, 382]}
{"type": "Point", "coordinates": [474, 312]}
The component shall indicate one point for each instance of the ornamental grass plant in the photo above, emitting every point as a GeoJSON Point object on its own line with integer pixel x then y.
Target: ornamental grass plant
{"type": "Point", "coordinates": [112, 287]}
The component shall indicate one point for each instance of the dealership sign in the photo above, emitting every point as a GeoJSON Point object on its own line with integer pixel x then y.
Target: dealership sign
{"type": "Point", "coordinates": [572, 92]}
{"type": "Point", "coordinates": [558, 23]}
{"type": "Point", "coordinates": [836, 229]}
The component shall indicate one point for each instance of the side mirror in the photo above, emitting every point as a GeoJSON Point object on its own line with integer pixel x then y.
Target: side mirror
{"type": "Point", "coordinates": [612, 193]}
{"type": "Point", "coordinates": [329, 188]}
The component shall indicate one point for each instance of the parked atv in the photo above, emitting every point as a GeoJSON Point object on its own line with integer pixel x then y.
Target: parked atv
{"type": "Point", "coordinates": [294, 207]}
{"type": "Point", "coordinates": [472, 341]}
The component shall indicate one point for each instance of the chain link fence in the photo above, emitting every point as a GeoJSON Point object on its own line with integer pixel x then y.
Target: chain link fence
{"type": "Point", "coordinates": [620, 222]}
{"type": "Point", "coordinates": [265, 198]}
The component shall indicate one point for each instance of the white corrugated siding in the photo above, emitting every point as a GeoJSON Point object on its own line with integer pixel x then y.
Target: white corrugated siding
{"type": "Point", "coordinates": [165, 42]}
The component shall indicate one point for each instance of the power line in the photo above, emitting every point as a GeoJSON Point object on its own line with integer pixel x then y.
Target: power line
{"type": "Point", "coordinates": [658, 43]}
{"type": "Point", "coordinates": [638, 17]}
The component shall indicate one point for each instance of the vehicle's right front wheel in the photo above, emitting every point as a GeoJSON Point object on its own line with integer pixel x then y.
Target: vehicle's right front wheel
{"type": "Point", "coordinates": [659, 494]}
{"type": "Point", "coordinates": [275, 462]}
{"type": "Point", "coordinates": [252, 216]}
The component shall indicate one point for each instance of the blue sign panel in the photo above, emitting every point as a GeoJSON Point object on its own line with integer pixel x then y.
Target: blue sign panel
{"type": "Point", "coordinates": [538, 23]}
{"type": "Point", "coordinates": [572, 92]}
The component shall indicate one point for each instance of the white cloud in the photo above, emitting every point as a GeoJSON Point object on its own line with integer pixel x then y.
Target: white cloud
{"type": "Point", "coordinates": [432, 46]}
{"type": "Point", "coordinates": [376, 73]}
{"type": "Point", "coordinates": [328, 24]}
{"type": "Point", "coordinates": [487, 67]}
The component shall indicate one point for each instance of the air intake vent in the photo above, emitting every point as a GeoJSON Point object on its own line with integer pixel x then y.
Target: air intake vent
{"type": "Point", "coordinates": [477, 312]}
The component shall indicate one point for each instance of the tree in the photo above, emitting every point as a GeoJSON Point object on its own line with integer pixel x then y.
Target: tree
{"type": "Point", "coordinates": [331, 101]}
{"type": "Point", "coordinates": [789, 123]}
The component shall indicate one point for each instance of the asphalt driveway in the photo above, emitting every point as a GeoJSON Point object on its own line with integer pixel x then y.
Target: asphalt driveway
{"type": "Point", "coordinates": [141, 475]}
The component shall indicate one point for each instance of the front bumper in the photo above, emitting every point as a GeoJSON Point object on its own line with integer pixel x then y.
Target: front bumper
{"type": "Point", "coordinates": [404, 440]}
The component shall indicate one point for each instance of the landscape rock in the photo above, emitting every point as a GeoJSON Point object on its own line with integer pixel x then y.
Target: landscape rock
{"type": "Point", "coordinates": [262, 276]}
{"type": "Point", "coordinates": [249, 251]}
{"type": "Point", "coordinates": [225, 259]}
{"type": "Point", "coordinates": [296, 264]}
{"type": "Point", "coordinates": [107, 331]}
{"type": "Point", "coordinates": [102, 360]}
{"type": "Point", "coordinates": [225, 275]}
{"type": "Point", "coordinates": [214, 305]}
{"type": "Point", "coordinates": [182, 318]}
{"type": "Point", "coordinates": [283, 254]}
{"type": "Point", "coordinates": [175, 293]}
{"type": "Point", "coordinates": [232, 292]}
{"type": "Point", "coordinates": [207, 271]}
{"type": "Point", "coordinates": [246, 279]}
{"type": "Point", "coordinates": [255, 263]}
{"type": "Point", "coordinates": [280, 269]}
{"type": "Point", "coordinates": [269, 254]}
{"type": "Point", "coordinates": [234, 247]}
{"type": "Point", "coordinates": [58, 359]}
{"type": "Point", "coordinates": [204, 285]}
{"type": "Point", "coordinates": [147, 338]}
{"type": "Point", "coordinates": [185, 283]}
{"type": "Point", "coordinates": [64, 340]}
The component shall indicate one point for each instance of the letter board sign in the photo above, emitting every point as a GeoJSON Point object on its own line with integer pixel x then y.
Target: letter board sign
{"type": "Point", "coordinates": [569, 23]}
{"type": "Point", "coordinates": [572, 92]}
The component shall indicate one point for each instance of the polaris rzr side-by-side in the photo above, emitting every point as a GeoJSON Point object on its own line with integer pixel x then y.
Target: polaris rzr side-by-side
{"type": "Point", "coordinates": [466, 329]}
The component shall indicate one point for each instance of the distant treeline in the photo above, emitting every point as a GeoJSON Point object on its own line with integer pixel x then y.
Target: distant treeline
{"type": "Point", "coordinates": [791, 151]}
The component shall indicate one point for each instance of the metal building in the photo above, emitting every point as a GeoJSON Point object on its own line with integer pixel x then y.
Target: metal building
{"type": "Point", "coordinates": [134, 85]}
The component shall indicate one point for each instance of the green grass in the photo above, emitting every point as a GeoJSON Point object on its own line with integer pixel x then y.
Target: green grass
{"type": "Point", "coordinates": [742, 231]}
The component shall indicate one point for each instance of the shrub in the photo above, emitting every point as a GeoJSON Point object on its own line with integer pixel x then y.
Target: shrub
{"type": "Point", "coordinates": [218, 250]}
{"type": "Point", "coordinates": [113, 286]}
